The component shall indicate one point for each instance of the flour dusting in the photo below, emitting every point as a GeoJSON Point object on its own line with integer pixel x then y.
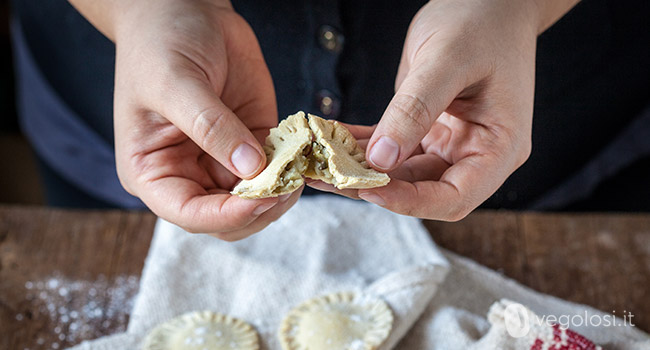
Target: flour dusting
{"type": "Point", "coordinates": [76, 310]}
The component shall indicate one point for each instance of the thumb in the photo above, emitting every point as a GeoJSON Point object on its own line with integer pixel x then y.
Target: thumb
{"type": "Point", "coordinates": [197, 110]}
{"type": "Point", "coordinates": [423, 95]}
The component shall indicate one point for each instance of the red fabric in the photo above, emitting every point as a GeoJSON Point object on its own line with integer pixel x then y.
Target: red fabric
{"type": "Point", "coordinates": [563, 339]}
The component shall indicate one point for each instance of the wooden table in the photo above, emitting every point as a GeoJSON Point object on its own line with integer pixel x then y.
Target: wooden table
{"type": "Point", "coordinates": [71, 275]}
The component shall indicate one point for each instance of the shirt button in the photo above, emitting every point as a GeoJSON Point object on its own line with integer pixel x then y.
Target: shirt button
{"type": "Point", "coordinates": [330, 39]}
{"type": "Point", "coordinates": [328, 104]}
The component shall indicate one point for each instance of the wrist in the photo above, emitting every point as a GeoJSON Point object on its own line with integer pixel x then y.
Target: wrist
{"type": "Point", "coordinates": [100, 14]}
{"type": "Point", "coordinates": [550, 11]}
{"type": "Point", "coordinates": [108, 16]}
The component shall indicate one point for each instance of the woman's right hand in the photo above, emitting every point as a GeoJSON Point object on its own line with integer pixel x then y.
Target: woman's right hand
{"type": "Point", "coordinates": [193, 101]}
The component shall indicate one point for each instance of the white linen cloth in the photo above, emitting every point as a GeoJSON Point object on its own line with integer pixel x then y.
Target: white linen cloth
{"type": "Point", "coordinates": [327, 244]}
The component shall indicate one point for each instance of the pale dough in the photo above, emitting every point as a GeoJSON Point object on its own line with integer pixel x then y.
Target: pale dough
{"type": "Point", "coordinates": [343, 162]}
{"type": "Point", "coordinates": [319, 149]}
{"type": "Point", "coordinates": [285, 152]}
{"type": "Point", "coordinates": [202, 330]}
{"type": "Point", "coordinates": [340, 321]}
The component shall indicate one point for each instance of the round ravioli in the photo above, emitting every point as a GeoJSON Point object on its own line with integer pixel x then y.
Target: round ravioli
{"type": "Point", "coordinates": [202, 330]}
{"type": "Point", "coordinates": [341, 321]}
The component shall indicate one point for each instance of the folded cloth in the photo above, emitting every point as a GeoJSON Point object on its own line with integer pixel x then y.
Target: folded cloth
{"type": "Point", "coordinates": [322, 245]}
{"type": "Point", "coordinates": [327, 244]}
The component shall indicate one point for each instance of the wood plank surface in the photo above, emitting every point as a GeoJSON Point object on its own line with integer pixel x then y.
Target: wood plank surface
{"type": "Point", "coordinates": [67, 275]}
{"type": "Point", "coordinates": [601, 260]}
{"type": "Point", "coordinates": [63, 274]}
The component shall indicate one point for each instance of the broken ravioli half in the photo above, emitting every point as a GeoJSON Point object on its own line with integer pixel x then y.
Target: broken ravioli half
{"type": "Point", "coordinates": [202, 330]}
{"type": "Point", "coordinates": [337, 159]}
{"type": "Point", "coordinates": [286, 150]}
{"type": "Point", "coordinates": [319, 149]}
{"type": "Point", "coordinates": [342, 321]}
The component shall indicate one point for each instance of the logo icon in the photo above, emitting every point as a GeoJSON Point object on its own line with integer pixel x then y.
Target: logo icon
{"type": "Point", "coordinates": [516, 319]}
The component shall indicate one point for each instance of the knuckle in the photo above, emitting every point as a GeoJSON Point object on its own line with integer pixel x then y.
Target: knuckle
{"type": "Point", "coordinates": [412, 111]}
{"type": "Point", "coordinates": [459, 208]}
{"type": "Point", "coordinates": [458, 212]}
{"type": "Point", "coordinates": [125, 185]}
{"type": "Point", "coordinates": [524, 153]}
{"type": "Point", "coordinates": [410, 211]}
{"type": "Point", "coordinates": [515, 147]}
{"type": "Point", "coordinates": [123, 177]}
{"type": "Point", "coordinates": [227, 237]}
{"type": "Point", "coordinates": [191, 229]}
{"type": "Point", "coordinates": [207, 126]}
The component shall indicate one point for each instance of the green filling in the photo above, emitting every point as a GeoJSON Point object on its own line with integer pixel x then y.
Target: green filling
{"type": "Point", "coordinates": [291, 177]}
{"type": "Point", "coordinates": [319, 161]}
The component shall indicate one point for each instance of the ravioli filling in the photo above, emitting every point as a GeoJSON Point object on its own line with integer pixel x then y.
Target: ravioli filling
{"type": "Point", "coordinates": [316, 148]}
{"type": "Point", "coordinates": [291, 177]}
{"type": "Point", "coordinates": [319, 163]}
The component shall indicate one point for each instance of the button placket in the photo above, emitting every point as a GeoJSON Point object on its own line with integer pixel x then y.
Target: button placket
{"type": "Point", "coordinates": [330, 39]}
{"type": "Point", "coordinates": [328, 44]}
{"type": "Point", "coordinates": [328, 104]}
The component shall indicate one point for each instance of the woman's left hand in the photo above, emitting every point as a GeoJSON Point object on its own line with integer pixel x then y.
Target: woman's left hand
{"type": "Point", "coordinates": [460, 121]}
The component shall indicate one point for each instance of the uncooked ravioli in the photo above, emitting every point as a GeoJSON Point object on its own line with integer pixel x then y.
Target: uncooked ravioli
{"type": "Point", "coordinates": [285, 153]}
{"type": "Point", "coordinates": [319, 149]}
{"type": "Point", "coordinates": [341, 321]}
{"type": "Point", "coordinates": [337, 159]}
{"type": "Point", "coordinates": [202, 330]}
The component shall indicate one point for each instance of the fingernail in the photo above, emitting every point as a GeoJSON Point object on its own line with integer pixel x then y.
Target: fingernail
{"type": "Point", "coordinates": [263, 208]}
{"type": "Point", "coordinates": [384, 153]}
{"type": "Point", "coordinates": [246, 159]}
{"type": "Point", "coordinates": [283, 198]}
{"type": "Point", "coordinates": [372, 198]}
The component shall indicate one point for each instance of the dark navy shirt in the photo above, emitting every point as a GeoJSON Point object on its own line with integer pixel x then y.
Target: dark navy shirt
{"type": "Point", "coordinates": [339, 59]}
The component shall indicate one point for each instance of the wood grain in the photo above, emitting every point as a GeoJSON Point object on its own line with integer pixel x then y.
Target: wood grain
{"type": "Point", "coordinates": [602, 260]}
{"type": "Point", "coordinates": [493, 238]}
{"type": "Point", "coordinates": [599, 260]}
{"type": "Point", "coordinates": [40, 245]}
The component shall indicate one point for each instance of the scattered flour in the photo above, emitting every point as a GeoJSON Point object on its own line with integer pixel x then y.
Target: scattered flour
{"type": "Point", "coordinates": [78, 309]}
